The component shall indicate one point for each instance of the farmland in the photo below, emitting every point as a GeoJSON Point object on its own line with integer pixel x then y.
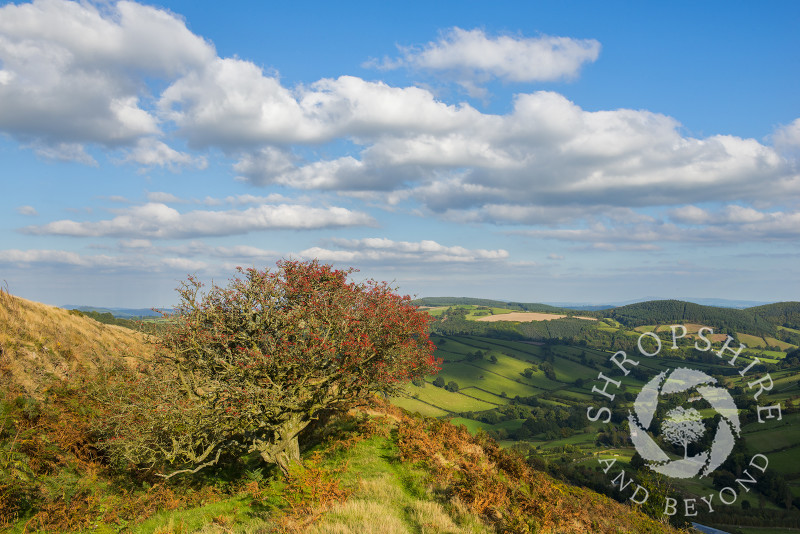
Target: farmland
{"type": "Point", "coordinates": [532, 394]}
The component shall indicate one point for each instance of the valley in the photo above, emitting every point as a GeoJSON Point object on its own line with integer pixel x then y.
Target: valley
{"type": "Point", "coordinates": [534, 394]}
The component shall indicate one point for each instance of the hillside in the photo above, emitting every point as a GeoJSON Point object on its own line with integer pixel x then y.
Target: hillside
{"type": "Point", "coordinates": [39, 342]}
{"type": "Point", "coordinates": [680, 312]}
{"type": "Point", "coordinates": [786, 314]}
{"type": "Point", "coordinates": [371, 470]}
{"type": "Point", "coordinates": [532, 396]}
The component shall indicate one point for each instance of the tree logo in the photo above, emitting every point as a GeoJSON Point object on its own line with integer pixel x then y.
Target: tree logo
{"type": "Point", "coordinates": [683, 425]}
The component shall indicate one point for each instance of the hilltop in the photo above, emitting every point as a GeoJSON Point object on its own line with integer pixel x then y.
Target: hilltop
{"type": "Point", "coordinates": [371, 470]}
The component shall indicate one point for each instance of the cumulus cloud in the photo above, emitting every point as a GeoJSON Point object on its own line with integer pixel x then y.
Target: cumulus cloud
{"type": "Point", "coordinates": [159, 221]}
{"type": "Point", "coordinates": [472, 56]}
{"type": "Point", "coordinates": [74, 72]}
{"type": "Point", "coordinates": [546, 152]}
{"type": "Point", "coordinates": [735, 222]}
{"type": "Point", "coordinates": [233, 104]}
{"type": "Point", "coordinates": [686, 224]}
{"type": "Point", "coordinates": [83, 71]}
{"type": "Point", "coordinates": [383, 249]}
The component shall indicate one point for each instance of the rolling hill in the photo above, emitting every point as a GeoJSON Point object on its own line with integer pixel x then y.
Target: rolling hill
{"type": "Point", "coordinates": [529, 384]}
{"type": "Point", "coordinates": [374, 469]}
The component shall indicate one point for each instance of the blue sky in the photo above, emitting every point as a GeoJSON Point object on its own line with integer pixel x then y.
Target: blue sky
{"type": "Point", "coordinates": [535, 151]}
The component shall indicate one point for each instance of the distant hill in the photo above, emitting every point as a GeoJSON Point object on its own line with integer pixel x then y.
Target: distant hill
{"type": "Point", "coordinates": [781, 313]}
{"type": "Point", "coordinates": [555, 307]}
{"type": "Point", "coordinates": [468, 301]}
{"type": "Point", "coordinates": [762, 320]}
{"type": "Point", "coordinates": [678, 311]}
{"type": "Point", "coordinates": [720, 303]}
{"type": "Point", "coordinates": [120, 313]}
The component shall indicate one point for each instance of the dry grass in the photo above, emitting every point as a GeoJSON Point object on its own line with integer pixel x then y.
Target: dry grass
{"type": "Point", "coordinates": [358, 516]}
{"type": "Point", "coordinates": [39, 342]}
{"type": "Point", "coordinates": [503, 489]}
{"type": "Point", "coordinates": [524, 317]}
{"type": "Point", "coordinates": [432, 518]}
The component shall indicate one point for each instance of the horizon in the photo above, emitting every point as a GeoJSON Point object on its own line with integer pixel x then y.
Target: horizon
{"type": "Point", "coordinates": [549, 153]}
{"type": "Point", "coordinates": [709, 302]}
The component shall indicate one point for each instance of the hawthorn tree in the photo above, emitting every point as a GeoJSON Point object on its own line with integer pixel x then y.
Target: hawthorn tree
{"type": "Point", "coordinates": [253, 364]}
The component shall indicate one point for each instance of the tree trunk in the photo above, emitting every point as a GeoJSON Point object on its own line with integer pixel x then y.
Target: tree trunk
{"type": "Point", "coordinates": [289, 456]}
{"type": "Point", "coordinates": [284, 450]}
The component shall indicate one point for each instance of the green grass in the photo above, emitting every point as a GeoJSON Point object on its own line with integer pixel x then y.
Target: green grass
{"type": "Point", "coordinates": [582, 439]}
{"type": "Point", "coordinates": [778, 343]}
{"type": "Point", "coordinates": [487, 396]}
{"type": "Point", "coordinates": [777, 439]}
{"type": "Point", "coordinates": [416, 406]}
{"type": "Point", "coordinates": [505, 375]}
{"type": "Point", "coordinates": [206, 519]}
{"type": "Point", "coordinates": [446, 400]}
{"type": "Point", "coordinates": [475, 313]}
{"type": "Point", "coordinates": [785, 461]}
{"type": "Point", "coordinates": [437, 311]}
{"type": "Point", "coordinates": [752, 341]}
{"type": "Point", "coordinates": [389, 497]}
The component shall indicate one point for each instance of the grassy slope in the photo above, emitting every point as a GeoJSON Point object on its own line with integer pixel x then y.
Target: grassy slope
{"type": "Point", "coordinates": [780, 441]}
{"type": "Point", "coordinates": [386, 490]}
{"type": "Point", "coordinates": [38, 341]}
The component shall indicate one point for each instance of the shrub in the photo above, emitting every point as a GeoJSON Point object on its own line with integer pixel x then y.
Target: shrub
{"type": "Point", "coordinates": [246, 368]}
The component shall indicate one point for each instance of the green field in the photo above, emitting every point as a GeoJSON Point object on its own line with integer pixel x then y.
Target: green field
{"type": "Point", "coordinates": [490, 373]}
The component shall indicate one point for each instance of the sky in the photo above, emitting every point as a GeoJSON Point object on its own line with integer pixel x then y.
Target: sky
{"type": "Point", "coordinates": [585, 152]}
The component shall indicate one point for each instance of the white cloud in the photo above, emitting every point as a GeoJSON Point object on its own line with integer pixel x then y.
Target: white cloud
{"type": "Point", "coordinates": [136, 244]}
{"type": "Point", "coordinates": [159, 221]}
{"type": "Point", "coordinates": [151, 152]}
{"type": "Point", "coordinates": [471, 57]}
{"type": "Point", "coordinates": [734, 222]}
{"type": "Point", "coordinates": [787, 138]}
{"type": "Point", "coordinates": [231, 103]}
{"type": "Point", "coordinates": [272, 198]}
{"type": "Point", "coordinates": [688, 224]}
{"type": "Point", "coordinates": [73, 72]}
{"type": "Point", "coordinates": [732, 214]}
{"type": "Point", "coordinates": [61, 258]}
{"type": "Point", "coordinates": [27, 210]}
{"type": "Point", "coordinates": [83, 71]}
{"type": "Point", "coordinates": [64, 152]}
{"type": "Point", "coordinates": [547, 152]}
{"type": "Point", "coordinates": [383, 250]}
